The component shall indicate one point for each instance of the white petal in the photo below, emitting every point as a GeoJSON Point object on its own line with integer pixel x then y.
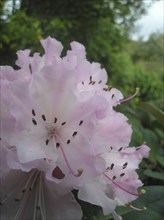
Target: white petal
{"type": "Point", "coordinates": [93, 193]}
{"type": "Point", "coordinates": [31, 146]}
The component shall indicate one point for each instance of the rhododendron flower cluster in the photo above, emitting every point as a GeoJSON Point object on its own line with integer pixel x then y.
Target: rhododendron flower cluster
{"type": "Point", "coordinates": [59, 132]}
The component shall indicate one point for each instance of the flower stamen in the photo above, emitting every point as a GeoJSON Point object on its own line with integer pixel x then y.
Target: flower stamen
{"type": "Point", "coordinates": [34, 180]}
{"type": "Point", "coordinates": [22, 205]}
{"type": "Point", "coordinates": [130, 97]}
{"type": "Point", "coordinates": [120, 187]}
{"type": "Point", "coordinates": [15, 189]}
{"type": "Point", "coordinates": [39, 205]}
{"type": "Point", "coordinates": [41, 198]}
{"type": "Point", "coordinates": [24, 198]}
{"type": "Point", "coordinates": [79, 170]}
{"type": "Point", "coordinates": [143, 191]}
{"type": "Point", "coordinates": [135, 208]}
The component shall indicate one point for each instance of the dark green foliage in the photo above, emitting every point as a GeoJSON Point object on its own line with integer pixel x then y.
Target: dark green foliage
{"type": "Point", "coordinates": [18, 32]}
{"type": "Point", "coordinates": [86, 21]}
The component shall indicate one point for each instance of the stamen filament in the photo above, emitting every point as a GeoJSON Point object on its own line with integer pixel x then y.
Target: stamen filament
{"type": "Point", "coordinates": [27, 194]}
{"type": "Point", "coordinates": [28, 180]}
{"type": "Point", "coordinates": [80, 171]}
{"type": "Point", "coordinates": [35, 203]}
{"type": "Point", "coordinates": [39, 206]}
{"type": "Point", "coordinates": [33, 181]}
{"type": "Point", "coordinates": [120, 187]}
{"type": "Point", "coordinates": [40, 199]}
{"type": "Point", "coordinates": [22, 206]}
{"type": "Point", "coordinates": [12, 192]}
{"type": "Point", "coordinates": [43, 201]}
{"type": "Point", "coordinates": [130, 97]}
{"type": "Point", "coordinates": [135, 208]}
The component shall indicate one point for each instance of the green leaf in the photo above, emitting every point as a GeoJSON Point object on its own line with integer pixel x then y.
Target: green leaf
{"type": "Point", "coordinates": [150, 215]}
{"type": "Point", "coordinates": [154, 174]}
{"type": "Point", "coordinates": [157, 113]}
{"type": "Point", "coordinates": [156, 124]}
{"type": "Point", "coordinates": [160, 160]}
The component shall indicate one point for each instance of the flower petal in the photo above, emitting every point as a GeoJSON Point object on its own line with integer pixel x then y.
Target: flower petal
{"type": "Point", "coordinates": [93, 193]}
{"type": "Point", "coordinates": [52, 47]}
{"type": "Point", "coordinates": [61, 207]}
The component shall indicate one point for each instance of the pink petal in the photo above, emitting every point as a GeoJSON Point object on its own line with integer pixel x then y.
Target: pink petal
{"type": "Point", "coordinates": [24, 60]}
{"type": "Point", "coordinates": [93, 193]}
{"type": "Point", "coordinates": [52, 47]}
{"type": "Point", "coordinates": [31, 146]}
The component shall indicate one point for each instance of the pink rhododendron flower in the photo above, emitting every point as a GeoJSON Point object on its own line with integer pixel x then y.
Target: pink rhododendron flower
{"type": "Point", "coordinates": [59, 132]}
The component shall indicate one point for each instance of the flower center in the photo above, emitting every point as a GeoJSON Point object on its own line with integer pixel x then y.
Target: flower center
{"type": "Point", "coordinates": [54, 134]}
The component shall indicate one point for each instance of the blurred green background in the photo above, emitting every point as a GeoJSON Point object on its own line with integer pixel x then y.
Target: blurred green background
{"type": "Point", "coordinates": [104, 27]}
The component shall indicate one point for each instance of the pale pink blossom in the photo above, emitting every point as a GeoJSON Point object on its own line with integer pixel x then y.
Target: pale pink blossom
{"type": "Point", "coordinates": [60, 132]}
